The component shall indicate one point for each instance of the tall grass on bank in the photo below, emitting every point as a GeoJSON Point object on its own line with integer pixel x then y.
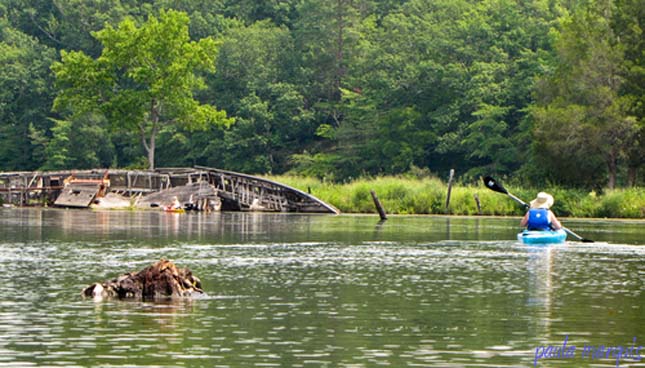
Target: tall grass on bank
{"type": "Point", "coordinates": [404, 195]}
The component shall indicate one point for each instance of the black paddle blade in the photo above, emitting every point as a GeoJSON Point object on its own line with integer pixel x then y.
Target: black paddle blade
{"type": "Point", "coordinates": [492, 184]}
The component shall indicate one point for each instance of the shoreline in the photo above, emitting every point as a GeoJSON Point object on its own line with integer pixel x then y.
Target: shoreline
{"type": "Point", "coordinates": [374, 214]}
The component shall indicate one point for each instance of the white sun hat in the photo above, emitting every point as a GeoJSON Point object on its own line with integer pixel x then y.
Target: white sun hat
{"type": "Point", "coordinates": [543, 200]}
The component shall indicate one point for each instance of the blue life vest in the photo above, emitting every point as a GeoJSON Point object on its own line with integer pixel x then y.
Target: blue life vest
{"type": "Point", "coordinates": [539, 219]}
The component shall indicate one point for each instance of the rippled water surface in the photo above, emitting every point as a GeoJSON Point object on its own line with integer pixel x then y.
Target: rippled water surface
{"type": "Point", "coordinates": [318, 291]}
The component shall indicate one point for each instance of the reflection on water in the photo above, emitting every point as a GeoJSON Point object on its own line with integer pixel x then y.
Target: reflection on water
{"type": "Point", "coordinates": [297, 291]}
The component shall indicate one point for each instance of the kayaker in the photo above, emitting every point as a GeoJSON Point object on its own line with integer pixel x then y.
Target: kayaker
{"type": "Point", "coordinates": [539, 216]}
{"type": "Point", "coordinates": [174, 206]}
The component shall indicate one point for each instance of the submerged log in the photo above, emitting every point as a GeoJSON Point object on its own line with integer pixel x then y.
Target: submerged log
{"type": "Point", "coordinates": [161, 280]}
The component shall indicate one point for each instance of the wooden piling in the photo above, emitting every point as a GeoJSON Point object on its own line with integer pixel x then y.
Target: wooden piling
{"type": "Point", "coordinates": [479, 206]}
{"type": "Point", "coordinates": [379, 207]}
{"type": "Point", "coordinates": [452, 175]}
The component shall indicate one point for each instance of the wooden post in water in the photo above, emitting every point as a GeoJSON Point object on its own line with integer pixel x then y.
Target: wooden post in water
{"type": "Point", "coordinates": [379, 207]}
{"type": "Point", "coordinates": [452, 175]}
{"type": "Point", "coordinates": [479, 206]}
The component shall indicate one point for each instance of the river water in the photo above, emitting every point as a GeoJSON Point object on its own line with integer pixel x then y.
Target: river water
{"type": "Point", "coordinates": [320, 291]}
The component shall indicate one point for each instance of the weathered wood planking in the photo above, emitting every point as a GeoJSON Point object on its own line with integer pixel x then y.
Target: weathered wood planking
{"type": "Point", "coordinates": [78, 188]}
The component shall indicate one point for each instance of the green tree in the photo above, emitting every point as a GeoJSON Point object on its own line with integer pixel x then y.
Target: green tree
{"type": "Point", "coordinates": [207, 18]}
{"type": "Point", "coordinates": [143, 80]}
{"type": "Point", "coordinates": [68, 24]}
{"type": "Point", "coordinates": [81, 144]}
{"type": "Point", "coordinates": [441, 84]}
{"type": "Point", "coordinates": [325, 37]}
{"type": "Point", "coordinates": [25, 96]}
{"type": "Point", "coordinates": [580, 104]}
{"type": "Point", "coordinates": [627, 23]}
{"type": "Point", "coordinates": [256, 83]}
{"type": "Point", "coordinates": [268, 130]}
{"type": "Point", "coordinates": [279, 12]}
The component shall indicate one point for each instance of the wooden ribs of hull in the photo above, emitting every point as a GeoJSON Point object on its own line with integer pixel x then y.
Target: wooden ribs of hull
{"type": "Point", "coordinates": [237, 191]}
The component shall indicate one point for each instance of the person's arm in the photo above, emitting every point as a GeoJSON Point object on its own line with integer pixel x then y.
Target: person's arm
{"type": "Point", "coordinates": [555, 223]}
{"type": "Point", "coordinates": [525, 220]}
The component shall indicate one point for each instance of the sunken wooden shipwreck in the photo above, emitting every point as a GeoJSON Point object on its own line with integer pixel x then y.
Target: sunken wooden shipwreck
{"type": "Point", "coordinates": [199, 188]}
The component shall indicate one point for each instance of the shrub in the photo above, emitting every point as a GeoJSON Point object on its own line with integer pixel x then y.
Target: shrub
{"type": "Point", "coordinates": [427, 195]}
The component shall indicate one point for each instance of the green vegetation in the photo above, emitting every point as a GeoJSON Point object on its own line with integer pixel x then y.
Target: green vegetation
{"type": "Point", "coordinates": [547, 93]}
{"type": "Point", "coordinates": [143, 80]}
{"type": "Point", "coordinates": [407, 195]}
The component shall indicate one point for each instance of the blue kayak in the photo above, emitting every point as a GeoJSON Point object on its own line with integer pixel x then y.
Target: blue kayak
{"type": "Point", "coordinates": [542, 236]}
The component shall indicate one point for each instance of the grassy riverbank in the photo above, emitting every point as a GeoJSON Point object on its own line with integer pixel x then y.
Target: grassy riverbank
{"type": "Point", "coordinates": [403, 195]}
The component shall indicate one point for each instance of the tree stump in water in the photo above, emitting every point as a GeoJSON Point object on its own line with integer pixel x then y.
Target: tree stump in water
{"type": "Point", "coordinates": [161, 280]}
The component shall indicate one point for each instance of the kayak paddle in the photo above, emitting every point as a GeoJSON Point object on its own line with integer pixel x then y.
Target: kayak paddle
{"type": "Point", "coordinates": [493, 185]}
{"type": "Point", "coordinates": [584, 240]}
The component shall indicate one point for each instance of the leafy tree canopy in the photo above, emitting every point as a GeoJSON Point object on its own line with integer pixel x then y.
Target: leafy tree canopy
{"type": "Point", "coordinates": [144, 78]}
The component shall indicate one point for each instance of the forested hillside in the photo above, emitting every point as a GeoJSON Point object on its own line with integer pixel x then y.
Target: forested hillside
{"type": "Point", "coordinates": [537, 91]}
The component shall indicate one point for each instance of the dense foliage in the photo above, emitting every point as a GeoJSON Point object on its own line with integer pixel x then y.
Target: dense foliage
{"type": "Point", "coordinates": [541, 91]}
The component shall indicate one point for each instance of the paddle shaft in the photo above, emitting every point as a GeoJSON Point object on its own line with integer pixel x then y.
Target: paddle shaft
{"type": "Point", "coordinates": [572, 233]}
{"type": "Point", "coordinates": [584, 240]}
{"type": "Point", "coordinates": [524, 204]}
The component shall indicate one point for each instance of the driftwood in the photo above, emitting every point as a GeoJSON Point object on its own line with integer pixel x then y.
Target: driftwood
{"type": "Point", "coordinates": [161, 280]}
